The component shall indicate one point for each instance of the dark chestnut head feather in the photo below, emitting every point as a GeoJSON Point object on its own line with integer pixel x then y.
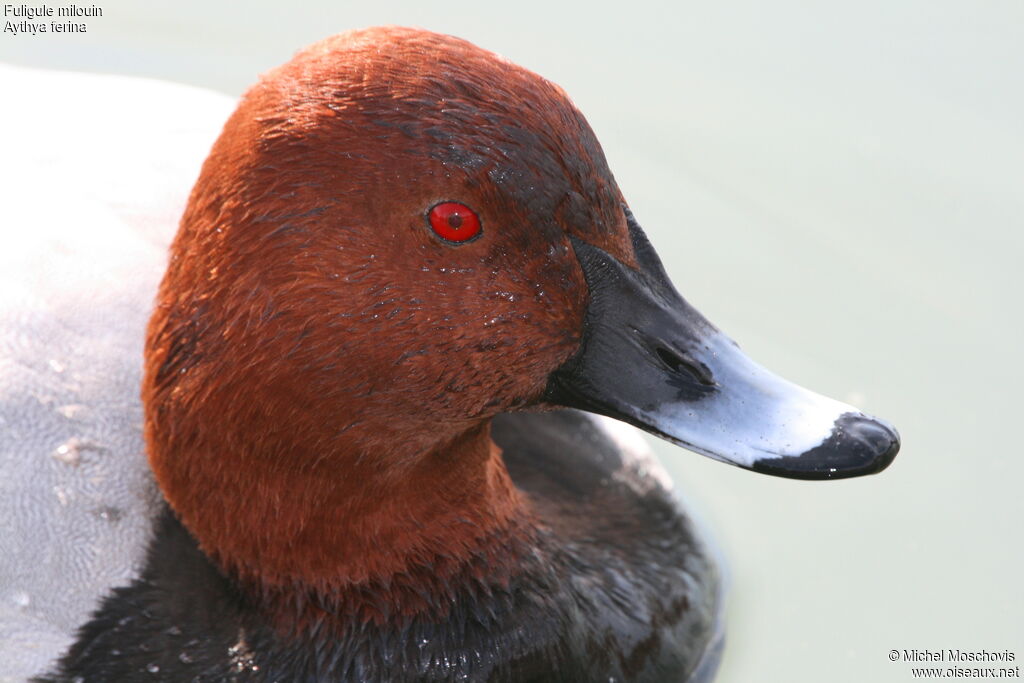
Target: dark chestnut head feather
{"type": "Point", "coordinates": [322, 365]}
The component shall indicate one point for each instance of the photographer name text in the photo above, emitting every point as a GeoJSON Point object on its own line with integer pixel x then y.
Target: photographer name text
{"type": "Point", "coordinates": [950, 655]}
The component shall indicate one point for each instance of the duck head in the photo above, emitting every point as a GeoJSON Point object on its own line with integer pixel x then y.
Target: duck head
{"type": "Point", "coordinates": [397, 236]}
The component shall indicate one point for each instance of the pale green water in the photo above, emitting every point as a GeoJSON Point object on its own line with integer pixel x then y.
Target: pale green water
{"type": "Point", "coordinates": [840, 190]}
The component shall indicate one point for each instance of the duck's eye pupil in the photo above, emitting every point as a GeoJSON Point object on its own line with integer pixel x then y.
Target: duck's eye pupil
{"type": "Point", "coordinates": [454, 222]}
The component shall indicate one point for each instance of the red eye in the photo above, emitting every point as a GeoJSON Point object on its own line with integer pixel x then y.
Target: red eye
{"type": "Point", "coordinates": [454, 222]}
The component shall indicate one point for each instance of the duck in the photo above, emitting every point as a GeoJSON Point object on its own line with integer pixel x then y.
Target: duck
{"type": "Point", "coordinates": [390, 392]}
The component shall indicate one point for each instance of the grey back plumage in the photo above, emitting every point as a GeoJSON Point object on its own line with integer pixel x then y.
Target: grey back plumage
{"type": "Point", "coordinates": [95, 180]}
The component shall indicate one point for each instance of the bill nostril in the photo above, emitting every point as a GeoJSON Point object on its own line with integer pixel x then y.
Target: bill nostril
{"type": "Point", "coordinates": [670, 359]}
{"type": "Point", "coordinates": [677, 363]}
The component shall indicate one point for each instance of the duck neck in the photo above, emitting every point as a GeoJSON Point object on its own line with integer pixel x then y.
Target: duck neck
{"type": "Point", "coordinates": [397, 527]}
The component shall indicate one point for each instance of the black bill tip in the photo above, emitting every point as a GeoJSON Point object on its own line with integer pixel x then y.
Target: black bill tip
{"type": "Point", "coordinates": [858, 445]}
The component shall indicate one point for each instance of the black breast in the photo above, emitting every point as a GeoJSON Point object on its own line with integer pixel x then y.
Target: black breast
{"type": "Point", "coordinates": [618, 589]}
